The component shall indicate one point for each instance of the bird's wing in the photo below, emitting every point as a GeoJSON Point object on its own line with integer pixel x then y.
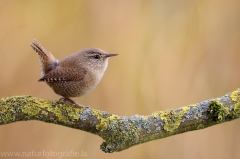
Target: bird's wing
{"type": "Point", "coordinates": [60, 74]}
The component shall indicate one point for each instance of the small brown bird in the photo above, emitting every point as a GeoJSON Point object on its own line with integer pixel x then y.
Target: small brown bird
{"type": "Point", "coordinates": [76, 74]}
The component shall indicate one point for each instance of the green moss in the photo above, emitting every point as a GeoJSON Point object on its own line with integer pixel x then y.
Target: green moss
{"type": "Point", "coordinates": [66, 112]}
{"type": "Point", "coordinates": [7, 112]}
{"type": "Point", "coordinates": [172, 119]}
{"type": "Point", "coordinates": [98, 115]}
{"type": "Point", "coordinates": [43, 112]}
{"type": "Point", "coordinates": [59, 113]}
{"type": "Point", "coordinates": [156, 114]}
{"type": "Point", "coordinates": [217, 111]}
{"type": "Point", "coordinates": [200, 126]}
{"type": "Point", "coordinates": [9, 105]}
{"type": "Point", "coordinates": [37, 108]}
{"type": "Point", "coordinates": [103, 125]}
{"type": "Point", "coordinates": [235, 96]}
{"type": "Point", "coordinates": [31, 111]}
{"type": "Point", "coordinates": [192, 105]}
{"type": "Point", "coordinates": [74, 113]}
{"type": "Point", "coordinates": [118, 132]}
{"type": "Point", "coordinates": [237, 107]}
{"type": "Point", "coordinates": [184, 110]}
{"type": "Point", "coordinates": [105, 122]}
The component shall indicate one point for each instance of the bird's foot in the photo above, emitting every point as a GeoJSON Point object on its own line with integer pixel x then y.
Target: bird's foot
{"type": "Point", "coordinates": [65, 99]}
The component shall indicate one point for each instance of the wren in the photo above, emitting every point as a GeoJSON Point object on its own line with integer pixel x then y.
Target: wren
{"type": "Point", "coordinates": [76, 74]}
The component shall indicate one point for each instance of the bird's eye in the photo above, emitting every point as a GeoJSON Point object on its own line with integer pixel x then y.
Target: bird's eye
{"type": "Point", "coordinates": [96, 56]}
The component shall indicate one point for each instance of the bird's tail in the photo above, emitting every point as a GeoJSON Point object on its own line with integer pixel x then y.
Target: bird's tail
{"type": "Point", "coordinates": [47, 60]}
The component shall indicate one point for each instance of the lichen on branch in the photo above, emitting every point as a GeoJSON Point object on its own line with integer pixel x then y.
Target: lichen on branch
{"type": "Point", "coordinates": [122, 132]}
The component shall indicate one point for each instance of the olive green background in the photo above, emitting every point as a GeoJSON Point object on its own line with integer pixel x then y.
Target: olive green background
{"type": "Point", "coordinates": [171, 54]}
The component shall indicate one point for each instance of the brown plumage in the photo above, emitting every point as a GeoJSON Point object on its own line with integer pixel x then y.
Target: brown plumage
{"type": "Point", "coordinates": [75, 75]}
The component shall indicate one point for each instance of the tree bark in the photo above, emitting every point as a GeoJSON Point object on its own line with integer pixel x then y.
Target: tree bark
{"type": "Point", "coordinates": [122, 132]}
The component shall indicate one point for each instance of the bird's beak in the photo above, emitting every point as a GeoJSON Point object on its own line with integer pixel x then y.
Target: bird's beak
{"type": "Point", "coordinates": [109, 55]}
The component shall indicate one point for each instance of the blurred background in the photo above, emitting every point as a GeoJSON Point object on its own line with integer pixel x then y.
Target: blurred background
{"type": "Point", "coordinates": [171, 54]}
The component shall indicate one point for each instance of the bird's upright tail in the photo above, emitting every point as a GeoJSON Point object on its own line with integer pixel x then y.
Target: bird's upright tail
{"type": "Point", "coordinates": [47, 60]}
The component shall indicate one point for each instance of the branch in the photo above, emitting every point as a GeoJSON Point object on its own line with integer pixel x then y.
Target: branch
{"type": "Point", "coordinates": [122, 132]}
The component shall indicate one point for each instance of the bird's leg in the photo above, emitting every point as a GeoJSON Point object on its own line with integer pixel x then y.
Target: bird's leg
{"type": "Point", "coordinates": [65, 99]}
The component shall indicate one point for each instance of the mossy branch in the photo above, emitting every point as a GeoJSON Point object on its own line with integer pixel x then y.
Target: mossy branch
{"type": "Point", "coordinates": [122, 132]}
